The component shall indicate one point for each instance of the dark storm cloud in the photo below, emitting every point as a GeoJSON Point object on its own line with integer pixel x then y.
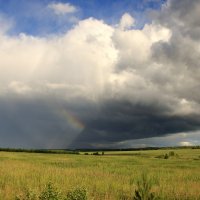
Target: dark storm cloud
{"type": "Point", "coordinates": [120, 121]}
{"type": "Point", "coordinates": [182, 16]}
{"type": "Point", "coordinates": [34, 123]}
{"type": "Point", "coordinates": [181, 54]}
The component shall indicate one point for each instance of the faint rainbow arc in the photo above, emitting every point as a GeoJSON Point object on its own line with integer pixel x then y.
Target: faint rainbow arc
{"type": "Point", "coordinates": [73, 120]}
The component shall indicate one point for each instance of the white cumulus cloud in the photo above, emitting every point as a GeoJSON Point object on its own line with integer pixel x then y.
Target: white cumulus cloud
{"type": "Point", "coordinates": [62, 8]}
{"type": "Point", "coordinates": [126, 21]}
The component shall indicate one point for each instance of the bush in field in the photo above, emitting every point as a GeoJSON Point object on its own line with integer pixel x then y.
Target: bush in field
{"type": "Point", "coordinates": [50, 193]}
{"type": "Point", "coordinates": [77, 194]}
{"type": "Point", "coordinates": [171, 153]}
{"type": "Point", "coordinates": [143, 191]}
{"type": "Point", "coordinates": [166, 156]}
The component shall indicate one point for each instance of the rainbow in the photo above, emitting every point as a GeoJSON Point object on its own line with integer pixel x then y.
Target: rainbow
{"type": "Point", "coordinates": [73, 121]}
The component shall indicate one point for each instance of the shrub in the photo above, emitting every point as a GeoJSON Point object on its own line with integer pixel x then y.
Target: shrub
{"type": "Point", "coordinates": [96, 153]}
{"type": "Point", "coordinates": [77, 194]}
{"type": "Point", "coordinates": [144, 186]}
{"type": "Point", "coordinates": [166, 156]}
{"type": "Point", "coordinates": [171, 153]}
{"type": "Point", "coordinates": [50, 193]}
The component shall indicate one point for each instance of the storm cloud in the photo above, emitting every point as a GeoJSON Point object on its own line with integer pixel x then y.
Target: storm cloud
{"type": "Point", "coordinates": [135, 122]}
{"type": "Point", "coordinates": [99, 85]}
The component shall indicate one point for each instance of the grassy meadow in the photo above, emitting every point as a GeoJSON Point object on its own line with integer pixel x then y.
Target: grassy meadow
{"type": "Point", "coordinates": [111, 176]}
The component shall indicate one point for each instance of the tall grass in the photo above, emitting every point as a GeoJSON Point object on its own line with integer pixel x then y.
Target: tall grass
{"type": "Point", "coordinates": [108, 177]}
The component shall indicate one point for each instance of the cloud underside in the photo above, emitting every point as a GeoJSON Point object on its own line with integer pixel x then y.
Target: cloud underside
{"type": "Point", "coordinates": [99, 85]}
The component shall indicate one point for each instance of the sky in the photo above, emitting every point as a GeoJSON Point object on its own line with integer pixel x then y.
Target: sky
{"type": "Point", "coordinates": [99, 73]}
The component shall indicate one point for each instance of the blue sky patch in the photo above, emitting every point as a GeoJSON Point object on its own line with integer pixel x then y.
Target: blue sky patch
{"type": "Point", "coordinates": [35, 17]}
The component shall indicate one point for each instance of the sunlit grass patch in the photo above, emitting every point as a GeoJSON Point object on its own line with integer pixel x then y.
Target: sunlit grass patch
{"type": "Point", "coordinates": [105, 177]}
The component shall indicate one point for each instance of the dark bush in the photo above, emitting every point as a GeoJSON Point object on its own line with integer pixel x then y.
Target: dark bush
{"type": "Point", "coordinates": [50, 193]}
{"type": "Point", "coordinates": [77, 194]}
{"type": "Point", "coordinates": [166, 156]}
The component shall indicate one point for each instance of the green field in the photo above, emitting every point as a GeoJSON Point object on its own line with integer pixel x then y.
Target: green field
{"type": "Point", "coordinates": [112, 176]}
